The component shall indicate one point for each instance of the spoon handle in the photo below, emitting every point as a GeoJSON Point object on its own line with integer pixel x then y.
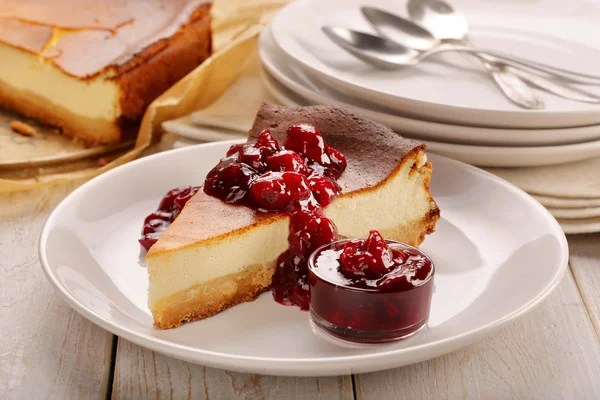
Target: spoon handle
{"type": "Point", "coordinates": [513, 87]}
{"type": "Point", "coordinates": [559, 89]}
{"type": "Point", "coordinates": [518, 62]}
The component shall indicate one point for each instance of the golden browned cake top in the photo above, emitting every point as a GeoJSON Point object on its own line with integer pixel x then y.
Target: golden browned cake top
{"type": "Point", "coordinates": [83, 38]}
{"type": "Point", "coordinates": [372, 150]}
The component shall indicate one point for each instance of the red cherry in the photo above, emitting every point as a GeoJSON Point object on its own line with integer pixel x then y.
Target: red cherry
{"type": "Point", "coordinates": [229, 182]}
{"type": "Point", "coordinates": [378, 247]}
{"type": "Point", "coordinates": [159, 215]}
{"type": "Point", "coordinates": [307, 140]}
{"type": "Point", "coordinates": [370, 259]}
{"type": "Point", "coordinates": [323, 188]}
{"type": "Point", "coordinates": [270, 192]}
{"type": "Point", "coordinates": [267, 142]}
{"type": "Point", "coordinates": [325, 233]}
{"type": "Point", "coordinates": [148, 240]}
{"type": "Point", "coordinates": [253, 157]}
{"type": "Point", "coordinates": [234, 149]}
{"type": "Point", "coordinates": [166, 203]}
{"type": "Point", "coordinates": [287, 160]}
{"type": "Point", "coordinates": [354, 261]}
{"type": "Point", "coordinates": [155, 226]}
{"type": "Point", "coordinates": [297, 185]}
{"type": "Point", "coordinates": [376, 244]}
{"type": "Point", "coordinates": [182, 199]}
{"type": "Point", "coordinates": [400, 257]}
{"type": "Point", "coordinates": [310, 230]}
{"type": "Point", "coordinates": [338, 161]}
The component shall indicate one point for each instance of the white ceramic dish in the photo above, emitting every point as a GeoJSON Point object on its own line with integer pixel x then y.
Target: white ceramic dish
{"type": "Point", "coordinates": [566, 202]}
{"type": "Point", "coordinates": [580, 225]}
{"type": "Point", "coordinates": [314, 93]}
{"type": "Point", "coordinates": [483, 156]}
{"type": "Point", "coordinates": [452, 88]}
{"type": "Point", "coordinates": [575, 213]}
{"type": "Point", "coordinates": [492, 239]}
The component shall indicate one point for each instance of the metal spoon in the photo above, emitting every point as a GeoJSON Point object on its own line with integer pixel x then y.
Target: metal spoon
{"type": "Point", "coordinates": [391, 55]}
{"type": "Point", "coordinates": [445, 23]}
{"type": "Point", "coordinates": [408, 33]}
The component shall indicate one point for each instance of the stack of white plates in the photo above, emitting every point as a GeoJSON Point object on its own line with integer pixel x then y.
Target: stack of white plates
{"type": "Point", "coordinates": [449, 102]}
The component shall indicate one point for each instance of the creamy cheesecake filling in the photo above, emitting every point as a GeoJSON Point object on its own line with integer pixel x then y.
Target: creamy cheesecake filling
{"type": "Point", "coordinates": [399, 200]}
{"type": "Point", "coordinates": [396, 203]}
{"type": "Point", "coordinates": [96, 98]}
{"type": "Point", "coordinates": [173, 272]}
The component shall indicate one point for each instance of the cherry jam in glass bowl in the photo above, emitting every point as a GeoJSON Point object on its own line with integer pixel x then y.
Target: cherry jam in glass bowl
{"type": "Point", "coordinates": [370, 291]}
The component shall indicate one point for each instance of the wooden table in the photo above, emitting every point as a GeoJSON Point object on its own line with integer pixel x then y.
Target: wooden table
{"type": "Point", "coordinates": [47, 350]}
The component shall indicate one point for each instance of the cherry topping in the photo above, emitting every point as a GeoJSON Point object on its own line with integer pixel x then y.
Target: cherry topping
{"type": "Point", "coordinates": [370, 259]}
{"type": "Point", "coordinates": [287, 160]}
{"type": "Point", "coordinates": [270, 192]}
{"type": "Point", "coordinates": [235, 149]}
{"type": "Point", "coordinates": [155, 225]}
{"type": "Point", "coordinates": [167, 202]}
{"type": "Point", "coordinates": [299, 179]}
{"type": "Point", "coordinates": [253, 157]}
{"type": "Point", "coordinates": [169, 208]}
{"type": "Point", "coordinates": [310, 230]}
{"type": "Point", "coordinates": [182, 198]}
{"type": "Point", "coordinates": [267, 142]}
{"type": "Point", "coordinates": [229, 181]}
{"type": "Point", "coordinates": [324, 189]}
{"type": "Point", "coordinates": [159, 215]}
{"type": "Point", "coordinates": [307, 140]}
{"type": "Point", "coordinates": [297, 185]}
{"type": "Point", "coordinates": [338, 161]}
{"type": "Point", "coordinates": [148, 239]}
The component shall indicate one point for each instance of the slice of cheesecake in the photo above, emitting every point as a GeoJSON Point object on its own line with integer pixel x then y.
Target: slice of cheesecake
{"type": "Point", "coordinates": [95, 81]}
{"type": "Point", "coordinates": [216, 255]}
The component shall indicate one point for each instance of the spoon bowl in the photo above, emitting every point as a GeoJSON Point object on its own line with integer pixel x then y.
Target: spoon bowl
{"type": "Point", "coordinates": [399, 30]}
{"type": "Point", "coordinates": [441, 19]}
{"type": "Point", "coordinates": [372, 49]}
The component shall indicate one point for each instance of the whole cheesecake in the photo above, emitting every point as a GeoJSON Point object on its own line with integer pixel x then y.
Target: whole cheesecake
{"type": "Point", "coordinates": [93, 70]}
{"type": "Point", "coordinates": [215, 255]}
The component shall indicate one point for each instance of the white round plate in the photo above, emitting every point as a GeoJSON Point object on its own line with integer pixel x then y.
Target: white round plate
{"type": "Point", "coordinates": [450, 88]}
{"type": "Point", "coordinates": [492, 239]}
{"type": "Point", "coordinates": [483, 156]}
{"type": "Point", "coordinates": [305, 87]}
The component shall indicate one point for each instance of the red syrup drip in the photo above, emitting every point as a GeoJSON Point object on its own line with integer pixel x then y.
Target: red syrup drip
{"type": "Point", "coordinates": [299, 178]}
{"type": "Point", "coordinates": [168, 209]}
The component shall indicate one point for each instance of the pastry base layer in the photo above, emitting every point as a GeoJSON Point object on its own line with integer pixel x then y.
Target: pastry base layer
{"type": "Point", "coordinates": [209, 298]}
